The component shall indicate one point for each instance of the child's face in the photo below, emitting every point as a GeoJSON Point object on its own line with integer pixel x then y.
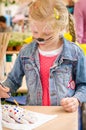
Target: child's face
{"type": "Point", "coordinates": [42, 31]}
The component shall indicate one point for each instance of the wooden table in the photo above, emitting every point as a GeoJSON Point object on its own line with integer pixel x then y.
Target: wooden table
{"type": "Point", "coordinates": [64, 121]}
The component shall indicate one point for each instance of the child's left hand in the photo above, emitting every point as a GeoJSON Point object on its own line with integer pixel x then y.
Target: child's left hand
{"type": "Point", "coordinates": [70, 104]}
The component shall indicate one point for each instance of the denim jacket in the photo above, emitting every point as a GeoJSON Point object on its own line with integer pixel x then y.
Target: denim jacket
{"type": "Point", "coordinates": [67, 75]}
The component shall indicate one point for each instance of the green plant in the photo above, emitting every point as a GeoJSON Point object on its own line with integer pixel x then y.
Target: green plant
{"type": "Point", "coordinates": [17, 39]}
{"type": "Point", "coordinates": [18, 43]}
{"type": "Point", "coordinates": [11, 43]}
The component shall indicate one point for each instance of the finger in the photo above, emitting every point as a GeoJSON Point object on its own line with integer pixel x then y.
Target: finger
{"type": "Point", "coordinates": [6, 89]}
{"type": "Point", "coordinates": [4, 94]}
{"type": "Point", "coordinates": [67, 104]}
{"type": "Point", "coordinates": [63, 101]}
{"type": "Point", "coordinates": [72, 102]}
{"type": "Point", "coordinates": [70, 109]}
{"type": "Point", "coordinates": [67, 100]}
{"type": "Point", "coordinates": [70, 105]}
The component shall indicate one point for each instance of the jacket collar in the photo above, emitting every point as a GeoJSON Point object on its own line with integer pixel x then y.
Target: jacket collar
{"type": "Point", "coordinates": [68, 48]}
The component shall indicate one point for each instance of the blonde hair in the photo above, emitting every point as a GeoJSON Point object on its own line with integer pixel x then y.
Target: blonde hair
{"type": "Point", "coordinates": [71, 28]}
{"type": "Point", "coordinates": [53, 11]}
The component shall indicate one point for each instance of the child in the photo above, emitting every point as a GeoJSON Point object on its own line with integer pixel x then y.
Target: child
{"type": "Point", "coordinates": [55, 69]}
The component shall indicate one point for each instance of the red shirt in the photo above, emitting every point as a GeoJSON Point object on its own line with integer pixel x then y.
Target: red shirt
{"type": "Point", "coordinates": [45, 64]}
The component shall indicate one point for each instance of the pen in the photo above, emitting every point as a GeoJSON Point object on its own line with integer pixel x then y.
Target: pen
{"type": "Point", "coordinates": [10, 95]}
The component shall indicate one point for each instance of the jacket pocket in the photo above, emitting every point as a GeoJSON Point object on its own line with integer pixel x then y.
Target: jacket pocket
{"type": "Point", "coordinates": [30, 74]}
{"type": "Point", "coordinates": [63, 75]}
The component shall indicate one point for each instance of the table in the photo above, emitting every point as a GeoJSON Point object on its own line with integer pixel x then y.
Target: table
{"type": "Point", "coordinates": [64, 121]}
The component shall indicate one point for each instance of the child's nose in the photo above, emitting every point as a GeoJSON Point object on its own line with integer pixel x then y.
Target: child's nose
{"type": "Point", "coordinates": [39, 35]}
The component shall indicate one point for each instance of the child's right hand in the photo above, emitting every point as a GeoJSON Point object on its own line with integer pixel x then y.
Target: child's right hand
{"type": "Point", "coordinates": [4, 92]}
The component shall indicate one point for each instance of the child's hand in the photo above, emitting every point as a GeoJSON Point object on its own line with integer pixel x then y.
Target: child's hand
{"type": "Point", "coordinates": [4, 92]}
{"type": "Point", "coordinates": [70, 104]}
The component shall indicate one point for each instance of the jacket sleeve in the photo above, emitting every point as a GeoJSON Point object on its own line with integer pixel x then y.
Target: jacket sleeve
{"type": "Point", "coordinates": [80, 92]}
{"type": "Point", "coordinates": [14, 79]}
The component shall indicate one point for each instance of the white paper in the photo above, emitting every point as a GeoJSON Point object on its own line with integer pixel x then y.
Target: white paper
{"type": "Point", "coordinates": [41, 119]}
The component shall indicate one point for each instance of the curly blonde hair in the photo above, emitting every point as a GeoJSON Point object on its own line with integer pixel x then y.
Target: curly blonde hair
{"type": "Point", "coordinates": [53, 11]}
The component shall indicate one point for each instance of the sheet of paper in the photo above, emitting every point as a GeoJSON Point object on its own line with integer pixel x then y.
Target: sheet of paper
{"type": "Point", "coordinates": [41, 119]}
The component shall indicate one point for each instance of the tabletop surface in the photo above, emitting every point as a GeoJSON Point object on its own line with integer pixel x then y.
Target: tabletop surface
{"type": "Point", "coordinates": [64, 120]}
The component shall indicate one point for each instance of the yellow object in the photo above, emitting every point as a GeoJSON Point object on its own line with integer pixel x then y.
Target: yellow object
{"type": "Point", "coordinates": [28, 40]}
{"type": "Point", "coordinates": [68, 36]}
{"type": "Point", "coordinates": [56, 15]}
{"type": "Point", "coordinates": [82, 46]}
{"type": "Point", "coordinates": [16, 102]}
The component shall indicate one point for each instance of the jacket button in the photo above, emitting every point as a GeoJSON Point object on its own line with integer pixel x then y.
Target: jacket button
{"type": "Point", "coordinates": [52, 94]}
